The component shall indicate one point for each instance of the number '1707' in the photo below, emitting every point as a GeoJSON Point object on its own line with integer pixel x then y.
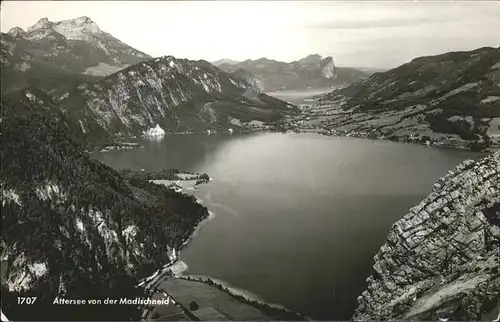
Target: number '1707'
{"type": "Point", "coordinates": [26, 300]}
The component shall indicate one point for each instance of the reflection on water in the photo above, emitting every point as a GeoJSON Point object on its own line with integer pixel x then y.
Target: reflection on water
{"type": "Point", "coordinates": [299, 217]}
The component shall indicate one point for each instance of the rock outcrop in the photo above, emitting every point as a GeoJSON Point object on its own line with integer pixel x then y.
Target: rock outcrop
{"type": "Point", "coordinates": [441, 260]}
{"type": "Point", "coordinates": [328, 68]}
{"type": "Point", "coordinates": [51, 55]}
{"type": "Point", "coordinates": [254, 82]}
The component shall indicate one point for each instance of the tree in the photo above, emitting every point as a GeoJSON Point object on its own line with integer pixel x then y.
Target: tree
{"type": "Point", "coordinates": [193, 306]}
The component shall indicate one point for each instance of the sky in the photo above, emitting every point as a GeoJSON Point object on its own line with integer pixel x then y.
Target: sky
{"type": "Point", "coordinates": [380, 34]}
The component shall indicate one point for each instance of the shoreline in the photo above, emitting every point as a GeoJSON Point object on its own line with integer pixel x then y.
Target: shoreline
{"type": "Point", "coordinates": [178, 267]}
{"type": "Point", "coordinates": [150, 280]}
{"type": "Point", "coordinates": [238, 293]}
{"type": "Point", "coordinates": [415, 142]}
{"type": "Point", "coordinates": [197, 228]}
{"type": "Point", "coordinates": [323, 132]}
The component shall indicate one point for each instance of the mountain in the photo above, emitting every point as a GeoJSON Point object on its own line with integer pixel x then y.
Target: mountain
{"type": "Point", "coordinates": [440, 261]}
{"type": "Point", "coordinates": [249, 78]}
{"type": "Point", "coordinates": [312, 71]}
{"type": "Point", "coordinates": [31, 99]}
{"type": "Point", "coordinates": [225, 61]}
{"type": "Point", "coordinates": [49, 52]}
{"type": "Point", "coordinates": [176, 94]}
{"type": "Point", "coordinates": [449, 99]}
{"type": "Point", "coordinates": [140, 93]}
{"type": "Point", "coordinates": [73, 228]}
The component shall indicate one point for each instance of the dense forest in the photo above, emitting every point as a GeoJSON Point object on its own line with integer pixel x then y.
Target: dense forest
{"type": "Point", "coordinates": [72, 227]}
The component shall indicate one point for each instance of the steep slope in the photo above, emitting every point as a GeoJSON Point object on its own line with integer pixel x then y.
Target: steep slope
{"type": "Point", "coordinates": [249, 78]}
{"type": "Point", "coordinates": [177, 94]}
{"type": "Point", "coordinates": [71, 227]}
{"type": "Point", "coordinates": [312, 71]}
{"type": "Point", "coordinates": [67, 48]}
{"type": "Point", "coordinates": [30, 99]}
{"type": "Point", "coordinates": [441, 259]}
{"type": "Point", "coordinates": [22, 68]}
{"type": "Point", "coordinates": [450, 99]}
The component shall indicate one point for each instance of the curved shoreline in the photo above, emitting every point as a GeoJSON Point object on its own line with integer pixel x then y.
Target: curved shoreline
{"type": "Point", "coordinates": [366, 136]}
{"type": "Point", "coordinates": [178, 267]}
{"type": "Point", "coordinates": [235, 291]}
{"type": "Point", "coordinates": [197, 228]}
{"type": "Point", "coordinates": [239, 293]}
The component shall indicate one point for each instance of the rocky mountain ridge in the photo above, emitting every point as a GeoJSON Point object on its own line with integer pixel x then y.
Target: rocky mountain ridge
{"type": "Point", "coordinates": [312, 71]}
{"type": "Point", "coordinates": [68, 49]}
{"type": "Point", "coordinates": [451, 99]}
{"type": "Point", "coordinates": [85, 30]}
{"type": "Point", "coordinates": [441, 261]}
{"type": "Point", "coordinates": [177, 94]}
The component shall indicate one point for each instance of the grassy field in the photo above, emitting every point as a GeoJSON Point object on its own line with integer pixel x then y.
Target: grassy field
{"type": "Point", "coordinates": [213, 304]}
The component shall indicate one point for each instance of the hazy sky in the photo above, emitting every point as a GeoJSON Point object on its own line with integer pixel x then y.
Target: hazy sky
{"type": "Point", "coordinates": [355, 33]}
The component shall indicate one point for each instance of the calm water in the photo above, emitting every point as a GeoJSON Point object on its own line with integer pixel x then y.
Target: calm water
{"type": "Point", "coordinates": [298, 217]}
{"type": "Point", "coordinates": [299, 96]}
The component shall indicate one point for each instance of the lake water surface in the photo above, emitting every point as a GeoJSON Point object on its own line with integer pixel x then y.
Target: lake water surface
{"type": "Point", "coordinates": [299, 217]}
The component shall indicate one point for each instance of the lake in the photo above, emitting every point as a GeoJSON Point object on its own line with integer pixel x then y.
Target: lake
{"type": "Point", "coordinates": [300, 96]}
{"type": "Point", "coordinates": [298, 217]}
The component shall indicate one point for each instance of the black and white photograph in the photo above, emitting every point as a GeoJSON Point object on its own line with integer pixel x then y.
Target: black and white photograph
{"type": "Point", "coordinates": [250, 160]}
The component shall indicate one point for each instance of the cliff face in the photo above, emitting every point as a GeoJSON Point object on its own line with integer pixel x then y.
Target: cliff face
{"type": "Point", "coordinates": [254, 82]}
{"type": "Point", "coordinates": [441, 259]}
{"type": "Point", "coordinates": [328, 68]}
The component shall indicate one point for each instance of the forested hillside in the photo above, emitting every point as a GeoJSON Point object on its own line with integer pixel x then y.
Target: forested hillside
{"type": "Point", "coordinates": [72, 227]}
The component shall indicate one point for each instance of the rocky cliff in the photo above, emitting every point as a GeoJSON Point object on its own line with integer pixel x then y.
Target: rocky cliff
{"type": "Point", "coordinates": [50, 53]}
{"type": "Point", "coordinates": [441, 260]}
{"type": "Point", "coordinates": [80, 37]}
{"type": "Point", "coordinates": [255, 83]}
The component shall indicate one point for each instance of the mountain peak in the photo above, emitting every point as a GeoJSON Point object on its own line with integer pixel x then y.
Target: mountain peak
{"type": "Point", "coordinates": [83, 19]}
{"type": "Point", "coordinates": [43, 23]}
{"type": "Point", "coordinates": [81, 28]}
{"type": "Point", "coordinates": [329, 58]}
{"type": "Point", "coordinates": [225, 61]}
{"type": "Point", "coordinates": [311, 59]}
{"type": "Point", "coordinates": [16, 31]}
{"type": "Point", "coordinates": [315, 56]}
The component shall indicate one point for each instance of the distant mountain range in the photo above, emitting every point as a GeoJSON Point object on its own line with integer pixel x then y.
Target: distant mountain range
{"type": "Point", "coordinates": [453, 98]}
{"type": "Point", "coordinates": [312, 71]}
{"type": "Point", "coordinates": [109, 89]}
{"type": "Point", "coordinates": [225, 61]}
